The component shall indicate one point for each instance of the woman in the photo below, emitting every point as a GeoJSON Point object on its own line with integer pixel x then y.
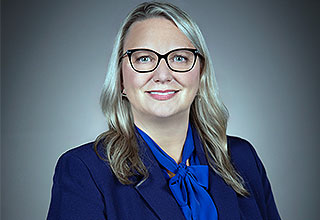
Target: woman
{"type": "Point", "coordinates": [166, 154]}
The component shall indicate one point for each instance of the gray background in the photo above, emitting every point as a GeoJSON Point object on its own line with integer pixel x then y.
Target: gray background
{"type": "Point", "coordinates": [54, 56]}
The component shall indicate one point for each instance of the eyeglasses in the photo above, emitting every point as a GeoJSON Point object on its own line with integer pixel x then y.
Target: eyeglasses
{"type": "Point", "coordinates": [146, 60]}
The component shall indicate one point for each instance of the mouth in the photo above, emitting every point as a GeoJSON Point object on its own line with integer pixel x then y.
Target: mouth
{"type": "Point", "coordinates": [162, 92]}
{"type": "Point", "coordinates": [162, 95]}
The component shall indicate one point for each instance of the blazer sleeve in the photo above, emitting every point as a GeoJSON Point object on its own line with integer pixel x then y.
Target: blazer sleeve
{"type": "Point", "coordinates": [271, 209]}
{"type": "Point", "coordinates": [75, 194]}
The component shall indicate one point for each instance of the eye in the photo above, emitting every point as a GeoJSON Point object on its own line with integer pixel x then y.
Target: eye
{"type": "Point", "coordinates": [180, 59]}
{"type": "Point", "coordinates": [144, 59]}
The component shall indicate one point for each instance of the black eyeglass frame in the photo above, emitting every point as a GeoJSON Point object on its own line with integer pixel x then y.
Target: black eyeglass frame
{"type": "Point", "coordinates": [160, 56]}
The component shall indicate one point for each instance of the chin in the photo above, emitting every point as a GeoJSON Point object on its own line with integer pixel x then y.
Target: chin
{"type": "Point", "coordinates": [163, 115]}
{"type": "Point", "coordinates": [167, 113]}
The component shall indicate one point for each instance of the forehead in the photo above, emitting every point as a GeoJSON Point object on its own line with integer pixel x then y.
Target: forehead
{"type": "Point", "coordinates": [159, 34]}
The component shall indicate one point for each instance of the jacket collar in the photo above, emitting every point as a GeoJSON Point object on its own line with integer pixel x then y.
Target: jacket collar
{"type": "Point", "coordinates": [157, 194]}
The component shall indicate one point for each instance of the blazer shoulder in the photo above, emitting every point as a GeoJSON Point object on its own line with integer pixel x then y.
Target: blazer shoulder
{"type": "Point", "coordinates": [238, 146]}
{"type": "Point", "coordinates": [81, 151]}
{"type": "Point", "coordinates": [78, 185]}
{"type": "Point", "coordinates": [86, 155]}
{"type": "Point", "coordinates": [244, 157]}
{"type": "Point", "coordinates": [247, 162]}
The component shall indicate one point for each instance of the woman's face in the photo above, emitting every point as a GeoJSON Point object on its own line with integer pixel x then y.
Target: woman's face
{"type": "Point", "coordinates": [150, 93]}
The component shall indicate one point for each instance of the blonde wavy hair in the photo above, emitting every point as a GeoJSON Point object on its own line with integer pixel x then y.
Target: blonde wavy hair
{"type": "Point", "coordinates": [208, 114]}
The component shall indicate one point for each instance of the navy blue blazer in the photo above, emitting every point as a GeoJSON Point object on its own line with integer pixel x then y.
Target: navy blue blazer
{"type": "Point", "coordinates": [84, 187]}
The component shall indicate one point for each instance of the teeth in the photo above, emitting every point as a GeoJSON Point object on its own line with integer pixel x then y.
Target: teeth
{"type": "Point", "coordinates": [162, 93]}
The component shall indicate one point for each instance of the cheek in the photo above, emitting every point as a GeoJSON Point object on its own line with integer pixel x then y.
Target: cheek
{"type": "Point", "coordinates": [131, 79]}
{"type": "Point", "coordinates": [191, 79]}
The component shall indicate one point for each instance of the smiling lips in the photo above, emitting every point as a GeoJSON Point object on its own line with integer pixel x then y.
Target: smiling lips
{"type": "Point", "coordinates": [162, 95]}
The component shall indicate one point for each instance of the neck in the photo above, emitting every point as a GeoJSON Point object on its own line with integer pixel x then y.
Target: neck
{"type": "Point", "coordinates": [169, 133]}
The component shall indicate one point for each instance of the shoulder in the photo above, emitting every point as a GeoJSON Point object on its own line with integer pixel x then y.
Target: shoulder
{"type": "Point", "coordinates": [239, 148]}
{"type": "Point", "coordinates": [84, 153]}
{"type": "Point", "coordinates": [84, 161]}
{"type": "Point", "coordinates": [244, 157]}
{"type": "Point", "coordinates": [79, 185]}
{"type": "Point", "coordinates": [251, 169]}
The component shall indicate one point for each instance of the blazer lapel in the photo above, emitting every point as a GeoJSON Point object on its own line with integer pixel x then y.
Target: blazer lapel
{"type": "Point", "coordinates": [155, 189]}
{"type": "Point", "coordinates": [223, 196]}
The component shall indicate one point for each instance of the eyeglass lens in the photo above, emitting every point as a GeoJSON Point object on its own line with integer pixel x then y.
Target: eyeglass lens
{"type": "Point", "coordinates": [180, 60]}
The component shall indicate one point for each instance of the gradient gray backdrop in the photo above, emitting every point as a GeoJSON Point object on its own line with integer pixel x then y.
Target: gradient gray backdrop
{"type": "Point", "coordinates": [54, 58]}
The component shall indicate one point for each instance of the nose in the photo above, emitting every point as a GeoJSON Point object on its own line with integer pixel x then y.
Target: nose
{"type": "Point", "coordinates": [162, 73]}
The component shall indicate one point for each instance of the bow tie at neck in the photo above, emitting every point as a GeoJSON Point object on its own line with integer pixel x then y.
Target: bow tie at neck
{"type": "Point", "coordinates": [190, 183]}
